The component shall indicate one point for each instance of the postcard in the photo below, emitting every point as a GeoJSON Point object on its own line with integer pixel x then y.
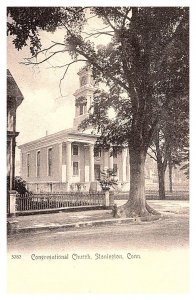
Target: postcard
{"type": "Point", "coordinates": [97, 149]}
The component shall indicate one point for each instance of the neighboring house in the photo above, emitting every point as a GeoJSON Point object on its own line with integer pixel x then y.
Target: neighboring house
{"type": "Point", "coordinates": [14, 99]}
{"type": "Point", "coordinates": [69, 159]}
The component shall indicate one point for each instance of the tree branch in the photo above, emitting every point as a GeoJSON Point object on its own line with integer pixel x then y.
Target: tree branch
{"type": "Point", "coordinates": [66, 70]}
{"type": "Point", "coordinates": [153, 150]}
{"type": "Point", "coordinates": [63, 66]}
{"type": "Point", "coordinates": [108, 21]}
{"type": "Point", "coordinates": [40, 62]}
{"type": "Point", "coordinates": [151, 156]}
{"type": "Point", "coordinates": [98, 34]}
{"type": "Point", "coordinates": [45, 50]}
{"type": "Point", "coordinates": [126, 16]}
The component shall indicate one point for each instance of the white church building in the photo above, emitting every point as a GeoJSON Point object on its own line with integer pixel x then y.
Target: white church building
{"type": "Point", "coordinates": [69, 160]}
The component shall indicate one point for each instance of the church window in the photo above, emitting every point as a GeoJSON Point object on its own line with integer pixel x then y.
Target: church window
{"type": "Point", "coordinates": [97, 172]}
{"type": "Point", "coordinates": [115, 169]}
{"type": "Point", "coordinates": [49, 161]}
{"type": "Point", "coordinates": [75, 168]}
{"type": "Point", "coordinates": [81, 109]}
{"type": "Point", "coordinates": [50, 187]}
{"type": "Point", "coordinates": [75, 149]}
{"type": "Point", "coordinates": [114, 152]}
{"type": "Point", "coordinates": [97, 152]}
{"type": "Point", "coordinates": [38, 164]}
{"type": "Point", "coordinates": [83, 80]}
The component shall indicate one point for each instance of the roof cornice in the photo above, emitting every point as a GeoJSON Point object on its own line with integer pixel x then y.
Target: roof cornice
{"type": "Point", "coordinates": [59, 137]}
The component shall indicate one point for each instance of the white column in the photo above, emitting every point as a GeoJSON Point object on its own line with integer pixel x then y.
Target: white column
{"type": "Point", "coordinates": [68, 161]}
{"type": "Point", "coordinates": [91, 163]}
{"type": "Point", "coordinates": [124, 159]}
{"type": "Point", "coordinates": [86, 166]}
{"type": "Point", "coordinates": [111, 159]}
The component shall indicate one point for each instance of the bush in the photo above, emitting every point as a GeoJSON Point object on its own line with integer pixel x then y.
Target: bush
{"type": "Point", "coordinates": [108, 179]}
{"type": "Point", "coordinates": [20, 185]}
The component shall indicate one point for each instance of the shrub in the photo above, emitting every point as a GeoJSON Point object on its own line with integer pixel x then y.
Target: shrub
{"type": "Point", "coordinates": [108, 179]}
{"type": "Point", "coordinates": [20, 185]}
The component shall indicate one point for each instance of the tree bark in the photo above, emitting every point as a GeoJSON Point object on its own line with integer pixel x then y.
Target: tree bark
{"type": "Point", "coordinates": [136, 205]}
{"type": "Point", "coordinates": [161, 176]}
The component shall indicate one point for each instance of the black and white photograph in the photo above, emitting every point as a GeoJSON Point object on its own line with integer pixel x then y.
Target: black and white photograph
{"type": "Point", "coordinates": [97, 149]}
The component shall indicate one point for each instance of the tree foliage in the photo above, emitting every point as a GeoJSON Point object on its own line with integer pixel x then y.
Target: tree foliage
{"type": "Point", "coordinates": [24, 23]}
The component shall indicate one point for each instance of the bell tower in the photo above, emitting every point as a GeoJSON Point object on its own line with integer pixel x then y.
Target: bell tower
{"type": "Point", "coordinates": [83, 95]}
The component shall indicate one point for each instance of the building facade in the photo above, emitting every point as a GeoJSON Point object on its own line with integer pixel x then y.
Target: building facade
{"type": "Point", "coordinates": [70, 160]}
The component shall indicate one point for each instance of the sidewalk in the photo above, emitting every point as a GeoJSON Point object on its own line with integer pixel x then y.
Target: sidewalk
{"type": "Point", "coordinates": [85, 218]}
{"type": "Point", "coordinates": [57, 220]}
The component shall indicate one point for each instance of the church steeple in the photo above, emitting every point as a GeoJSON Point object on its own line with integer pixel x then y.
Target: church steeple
{"type": "Point", "coordinates": [83, 95]}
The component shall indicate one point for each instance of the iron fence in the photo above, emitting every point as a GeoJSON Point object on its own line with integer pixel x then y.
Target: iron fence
{"type": "Point", "coordinates": [43, 201]}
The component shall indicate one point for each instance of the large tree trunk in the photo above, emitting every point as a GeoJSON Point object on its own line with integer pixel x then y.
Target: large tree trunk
{"type": "Point", "coordinates": [161, 176]}
{"type": "Point", "coordinates": [136, 205]}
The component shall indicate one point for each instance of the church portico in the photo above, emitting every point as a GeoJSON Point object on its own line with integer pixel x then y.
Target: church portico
{"type": "Point", "coordinates": [78, 162]}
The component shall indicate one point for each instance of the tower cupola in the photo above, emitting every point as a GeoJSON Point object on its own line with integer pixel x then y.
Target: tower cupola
{"type": "Point", "coordinates": [83, 95]}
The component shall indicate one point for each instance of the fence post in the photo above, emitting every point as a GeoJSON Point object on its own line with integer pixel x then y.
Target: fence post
{"type": "Point", "coordinates": [12, 204]}
{"type": "Point", "coordinates": [107, 198]}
